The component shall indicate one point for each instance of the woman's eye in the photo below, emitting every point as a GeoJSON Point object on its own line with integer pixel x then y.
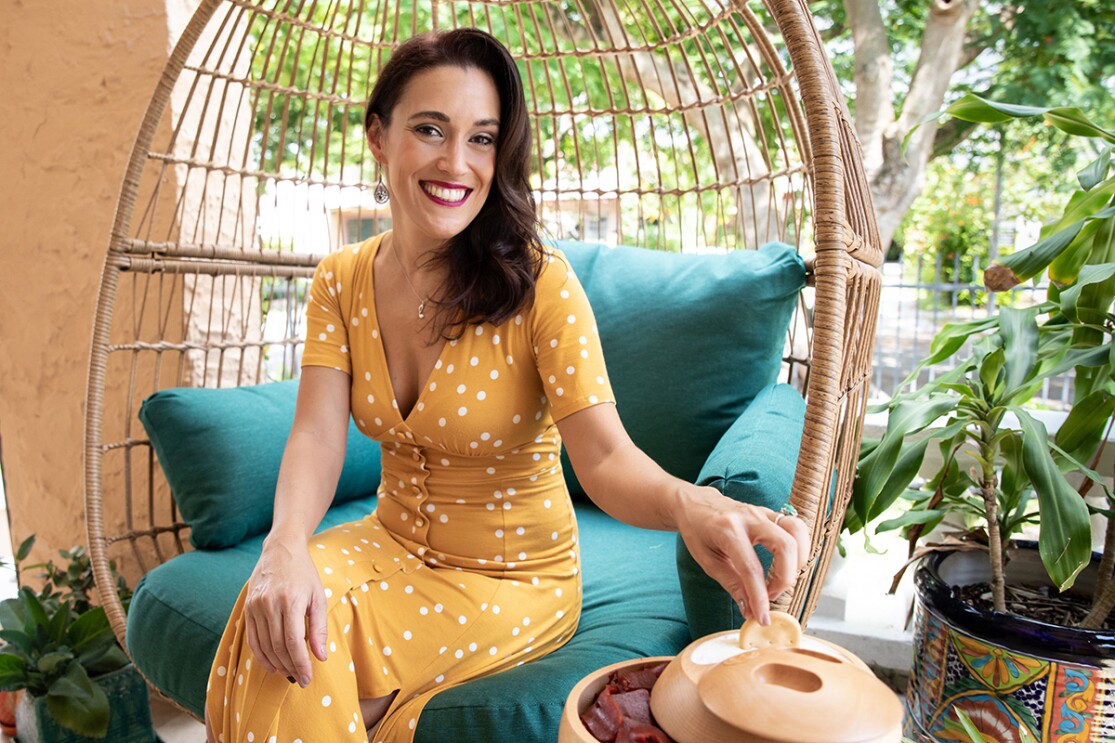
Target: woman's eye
{"type": "Point", "coordinates": [484, 139]}
{"type": "Point", "coordinates": [427, 130]}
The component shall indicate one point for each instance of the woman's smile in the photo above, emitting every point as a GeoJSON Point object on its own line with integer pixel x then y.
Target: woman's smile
{"type": "Point", "coordinates": [445, 194]}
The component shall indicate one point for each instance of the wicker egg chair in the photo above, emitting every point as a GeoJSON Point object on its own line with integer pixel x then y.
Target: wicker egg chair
{"type": "Point", "coordinates": [695, 124]}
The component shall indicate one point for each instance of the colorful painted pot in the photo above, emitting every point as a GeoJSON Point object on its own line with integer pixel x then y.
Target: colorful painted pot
{"type": "Point", "coordinates": [1005, 672]}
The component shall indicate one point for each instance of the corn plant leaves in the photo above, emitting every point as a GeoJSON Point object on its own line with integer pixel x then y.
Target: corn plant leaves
{"type": "Point", "coordinates": [876, 468]}
{"type": "Point", "coordinates": [1019, 329]}
{"type": "Point", "coordinates": [1095, 171]}
{"type": "Point", "coordinates": [1065, 538]}
{"type": "Point", "coordinates": [1068, 119]}
{"type": "Point", "coordinates": [1028, 263]}
{"type": "Point", "coordinates": [1080, 434]}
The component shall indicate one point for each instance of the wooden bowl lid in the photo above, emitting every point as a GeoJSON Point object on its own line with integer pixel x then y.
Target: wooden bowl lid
{"type": "Point", "coordinates": [792, 694]}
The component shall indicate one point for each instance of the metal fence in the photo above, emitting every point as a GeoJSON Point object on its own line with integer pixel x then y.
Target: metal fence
{"type": "Point", "coordinates": [919, 298]}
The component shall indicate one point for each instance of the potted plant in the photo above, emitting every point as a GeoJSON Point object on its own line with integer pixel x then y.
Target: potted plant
{"type": "Point", "coordinates": [976, 653]}
{"type": "Point", "coordinates": [61, 651]}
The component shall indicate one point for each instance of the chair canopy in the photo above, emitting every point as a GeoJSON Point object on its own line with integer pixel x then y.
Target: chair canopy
{"type": "Point", "coordinates": [693, 125]}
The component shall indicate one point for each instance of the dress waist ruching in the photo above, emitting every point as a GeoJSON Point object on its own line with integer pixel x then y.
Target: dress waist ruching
{"type": "Point", "coordinates": [478, 513]}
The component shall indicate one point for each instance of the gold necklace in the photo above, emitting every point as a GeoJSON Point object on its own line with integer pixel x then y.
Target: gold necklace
{"type": "Point", "coordinates": [421, 302]}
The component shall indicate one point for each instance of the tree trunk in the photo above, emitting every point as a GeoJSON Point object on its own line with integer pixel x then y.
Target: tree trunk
{"type": "Point", "coordinates": [897, 177]}
{"type": "Point", "coordinates": [729, 129]}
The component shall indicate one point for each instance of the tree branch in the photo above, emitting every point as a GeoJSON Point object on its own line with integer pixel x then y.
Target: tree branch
{"type": "Point", "coordinates": [950, 134]}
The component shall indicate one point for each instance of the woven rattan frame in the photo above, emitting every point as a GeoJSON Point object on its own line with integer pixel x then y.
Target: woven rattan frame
{"type": "Point", "coordinates": [667, 123]}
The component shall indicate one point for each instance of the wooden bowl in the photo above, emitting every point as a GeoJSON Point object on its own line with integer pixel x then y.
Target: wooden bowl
{"type": "Point", "coordinates": [814, 692]}
{"type": "Point", "coordinates": [572, 730]}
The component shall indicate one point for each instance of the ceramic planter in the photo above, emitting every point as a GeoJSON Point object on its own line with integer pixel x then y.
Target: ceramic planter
{"type": "Point", "coordinates": [129, 713]}
{"type": "Point", "coordinates": [1004, 671]}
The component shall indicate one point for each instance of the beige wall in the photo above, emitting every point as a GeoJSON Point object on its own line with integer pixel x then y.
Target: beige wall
{"type": "Point", "coordinates": [76, 77]}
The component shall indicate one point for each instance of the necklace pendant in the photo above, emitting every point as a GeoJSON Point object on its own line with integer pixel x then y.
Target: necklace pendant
{"type": "Point", "coordinates": [422, 311]}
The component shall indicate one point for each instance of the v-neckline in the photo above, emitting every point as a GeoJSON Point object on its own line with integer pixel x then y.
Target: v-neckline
{"type": "Point", "coordinates": [438, 362]}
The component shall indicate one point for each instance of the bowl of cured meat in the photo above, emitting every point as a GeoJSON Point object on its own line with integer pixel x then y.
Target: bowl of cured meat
{"type": "Point", "coordinates": [753, 685]}
{"type": "Point", "coordinates": [613, 705]}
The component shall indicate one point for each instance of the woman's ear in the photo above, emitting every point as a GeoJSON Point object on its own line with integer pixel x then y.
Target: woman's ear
{"type": "Point", "coordinates": [375, 134]}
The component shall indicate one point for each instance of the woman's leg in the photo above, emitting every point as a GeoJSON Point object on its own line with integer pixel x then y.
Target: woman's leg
{"type": "Point", "coordinates": [373, 710]}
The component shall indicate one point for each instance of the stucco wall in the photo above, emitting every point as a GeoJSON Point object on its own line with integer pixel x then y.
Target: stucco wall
{"type": "Point", "coordinates": [76, 78]}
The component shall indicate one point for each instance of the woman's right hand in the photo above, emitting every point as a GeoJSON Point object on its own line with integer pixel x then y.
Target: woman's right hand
{"type": "Point", "coordinates": [286, 606]}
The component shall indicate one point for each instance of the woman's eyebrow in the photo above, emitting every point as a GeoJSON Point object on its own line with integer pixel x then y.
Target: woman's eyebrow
{"type": "Point", "coordinates": [439, 116]}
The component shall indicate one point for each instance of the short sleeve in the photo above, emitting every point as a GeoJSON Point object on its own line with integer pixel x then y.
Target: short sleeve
{"type": "Point", "coordinates": [566, 341]}
{"type": "Point", "coordinates": [326, 334]}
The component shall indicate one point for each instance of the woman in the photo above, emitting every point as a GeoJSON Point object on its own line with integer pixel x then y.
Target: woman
{"type": "Point", "coordinates": [470, 352]}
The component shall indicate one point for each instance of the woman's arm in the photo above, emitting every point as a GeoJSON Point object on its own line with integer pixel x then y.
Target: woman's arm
{"type": "Point", "coordinates": [719, 532]}
{"type": "Point", "coordinates": [285, 594]}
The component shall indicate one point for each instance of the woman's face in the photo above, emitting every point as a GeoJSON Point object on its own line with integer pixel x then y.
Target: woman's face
{"type": "Point", "coordinates": [439, 152]}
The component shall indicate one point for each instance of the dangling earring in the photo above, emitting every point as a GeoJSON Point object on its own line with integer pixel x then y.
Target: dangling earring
{"type": "Point", "coordinates": [380, 192]}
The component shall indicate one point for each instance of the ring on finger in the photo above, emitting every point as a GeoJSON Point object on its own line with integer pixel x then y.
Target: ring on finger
{"type": "Point", "coordinates": [786, 510]}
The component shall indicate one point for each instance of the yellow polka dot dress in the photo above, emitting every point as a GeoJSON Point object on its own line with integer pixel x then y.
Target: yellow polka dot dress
{"type": "Point", "coordinates": [469, 564]}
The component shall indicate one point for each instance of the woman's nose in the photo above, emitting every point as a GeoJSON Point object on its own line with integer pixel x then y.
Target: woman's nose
{"type": "Point", "coordinates": [453, 159]}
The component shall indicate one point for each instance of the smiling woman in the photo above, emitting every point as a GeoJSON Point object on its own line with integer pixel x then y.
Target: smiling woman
{"type": "Point", "coordinates": [470, 563]}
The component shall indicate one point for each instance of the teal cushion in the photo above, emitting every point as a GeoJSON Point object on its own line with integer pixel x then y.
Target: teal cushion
{"type": "Point", "coordinates": [753, 463]}
{"type": "Point", "coordinates": [180, 609]}
{"type": "Point", "coordinates": [220, 450]}
{"type": "Point", "coordinates": [631, 608]}
{"type": "Point", "coordinates": [688, 339]}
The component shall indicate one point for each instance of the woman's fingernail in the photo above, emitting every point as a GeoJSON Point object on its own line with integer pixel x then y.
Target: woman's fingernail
{"type": "Point", "coordinates": [764, 619]}
{"type": "Point", "coordinates": [290, 679]}
{"type": "Point", "coordinates": [305, 681]}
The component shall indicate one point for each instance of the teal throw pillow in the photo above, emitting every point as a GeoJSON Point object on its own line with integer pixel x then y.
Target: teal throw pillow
{"type": "Point", "coordinates": [688, 339]}
{"type": "Point", "coordinates": [220, 450]}
{"type": "Point", "coordinates": [753, 463]}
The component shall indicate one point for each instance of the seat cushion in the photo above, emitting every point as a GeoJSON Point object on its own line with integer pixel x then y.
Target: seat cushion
{"type": "Point", "coordinates": [220, 450]}
{"type": "Point", "coordinates": [689, 340]}
{"type": "Point", "coordinates": [632, 608]}
{"type": "Point", "coordinates": [754, 462]}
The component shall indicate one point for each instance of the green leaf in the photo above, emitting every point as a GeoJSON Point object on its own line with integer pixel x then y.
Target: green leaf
{"type": "Point", "coordinates": [970, 729]}
{"type": "Point", "coordinates": [1074, 121]}
{"type": "Point", "coordinates": [909, 462]}
{"type": "Point", "coordinates": [1067, 266]}
{"type": "Point", "coordinates": [1031, 261]}
{"type": "Point", "coordinates": [952, 336]}
{"type": "Point", "coordinates": [982, 111]}
{"type": "Point", "coordinates": [1013, 479]}
{"type": "Point", "coordinates": [113, 659]}
{"type": "Point", "coordinates": [1096, 356]}
{"type": "Point", "coordinates": [989, 370]}
{"type": "Point", "coordinates": [16, 639]}
{"type": "Point", "coordinates": [1065, 537]}
{"type": "Point", "coordinates": [25, 548]}
{"type": "Point", "coordinates": [13, 672]}
{"type": "Point", "coordinates": [91, 625]}
{"type": "Point", "coordinates": [1088, 275]}
{"type": "Point", "coordinates": [875, 469]}
{"type": "Point", "coordinates": [1096, 171]}
{"type": "Point", "coordinates": [54, 662]}
{"type": "Point", "coordinates": [78, 704]}
{"type": "Point", "coordinates": [1019, 329]}
{"type": "Point", "coordinates": [910, 518]}
{"type": "Point", "coordinates": [35, 610]}
{"type": "Point", "coordinates": [1081, 432]}
{"type": "Point", "coordinates": [13, 614]}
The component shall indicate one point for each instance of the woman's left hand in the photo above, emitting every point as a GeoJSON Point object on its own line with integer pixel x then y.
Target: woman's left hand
{"type": "Point", "coordinates": [721, 535]}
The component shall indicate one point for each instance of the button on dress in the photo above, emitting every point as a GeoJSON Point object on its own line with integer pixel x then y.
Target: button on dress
{"type": "Point", "coordinates": [469, 565]}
